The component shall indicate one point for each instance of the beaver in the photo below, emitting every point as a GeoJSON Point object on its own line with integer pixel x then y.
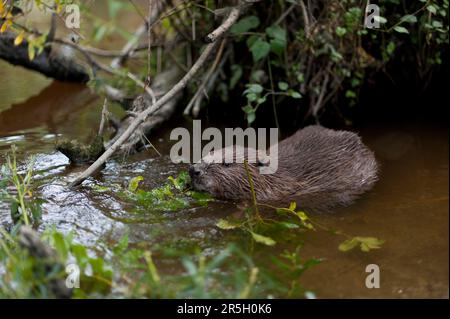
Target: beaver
{"type": "Point", "coordinates": [319, 168]}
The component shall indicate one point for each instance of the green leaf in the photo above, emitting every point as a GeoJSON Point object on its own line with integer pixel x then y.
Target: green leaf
{"type": "Point", "coordinates": [283, 86]}
{"type": "Point", "coordinates": [380, 19]}
{"type": "Point", "coordinates": [277, 37]}
{"type": "Point", "coordinates": [245, 25]}
{"type": "Point", "coordinates": [201, 198]}
{"type": "Point", "coordinates": [251, 117]}
{"type": "Point", "coordinates": [181, 181]}
{"type": "Point", "coordinates": [277, 46]}
{"type": "Point", "coordinates": [340, 31]}
{"type": "Point", "coordinates": [432, 9]}
{"type": "Point", "coordinates": [114, 7]}
{"type": "Point", "coordinates": [292, 206]}
{"type": "Point", "coordinates": [100, 189]}
{"type": "Point", "coordinates": [134, 183]}
{"type": "Point", "coordinates": [350, 94]}
{"type": "Point", "coordinates": [31, 51]}
{"type": "Point", "coordinates": [400, 29]}
{"type": "Point", "coordinates": [390, 48]}
{"type": "Point", "coordinates": [365, 243]}
{"type": "Point", "coordinates": [288, 225]}
{"type": "Point", "coordinates": [260, 49]}
{"type": "Point", "coordinates": [276, 32]}
{"type": "Point", "coordinates": [349, 244]}
{"type": "Point", "coordinates": [370, 243]}
{"type": "Point", "coordinates": [251, 97]}
{"type": "Point", "coordinates": [226, 225]}
{"type": "Point", "coordinates": [237, 74]}
{"type": "Point", "coordinates": [409, 18]}
{"type": "Point", "coordinates": [253, 88]}
{"type": "Point", "coordinates": [258, 76]}
{"type": "Point", "coordinates": [436, 24]}
{"type": "Point", "coordinates": [248, 109]}
{"type": "Point", "coordinates": [294, 94]}
{"type": "Point", "coordinates": [263, 239]}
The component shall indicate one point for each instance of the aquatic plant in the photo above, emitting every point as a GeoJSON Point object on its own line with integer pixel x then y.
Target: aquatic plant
{"type": "Point", "coordinates": [16, 189]}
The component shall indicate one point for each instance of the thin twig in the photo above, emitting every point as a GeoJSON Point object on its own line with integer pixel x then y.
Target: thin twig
{"type": "Point", "coordinates": [104, 117]}
{"type": "Point", "coordinates": [144, 86]}
{"type": "Point", "coordinates": [202, 86]}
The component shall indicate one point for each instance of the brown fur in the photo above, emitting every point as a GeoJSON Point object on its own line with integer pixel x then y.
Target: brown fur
{"type": "Point", "coordinates": [318, 167]}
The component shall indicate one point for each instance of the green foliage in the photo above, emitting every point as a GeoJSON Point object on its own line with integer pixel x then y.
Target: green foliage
{"type": "Point", "coordinates": [256, 95]}
{"type": "Point", "coordinates": [171, 196]}
{"type": "Point", "coordinates": [365, 243]}
{"type": "Point", "coordinates": [244, 25]}
{"type": "Point", "coordinates": [300, 220]}
{"type": "Point", "coordinates": [334, 56]}
{"type": "Point", "coordinates": [24, 208]}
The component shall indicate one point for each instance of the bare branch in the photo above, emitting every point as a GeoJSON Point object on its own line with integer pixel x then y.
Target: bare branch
{"type": "Point", "coordinates": [224, 27]}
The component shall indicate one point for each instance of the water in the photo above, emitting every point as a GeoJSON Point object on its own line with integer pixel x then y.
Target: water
{"type": "Point", "coordinates": [408, 207]}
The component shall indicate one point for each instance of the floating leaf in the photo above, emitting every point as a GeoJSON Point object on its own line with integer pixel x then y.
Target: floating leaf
{"type": "Point", "coordinates": [349, 244]}
{"type": "Point", "coordinates": [365, 243]}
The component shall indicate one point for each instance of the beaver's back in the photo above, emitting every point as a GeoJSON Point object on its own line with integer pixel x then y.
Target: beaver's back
{"type": "Point", "coordinates": [330, 167]}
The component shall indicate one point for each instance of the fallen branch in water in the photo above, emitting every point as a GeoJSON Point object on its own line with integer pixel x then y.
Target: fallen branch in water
{"type": "Point", "coordinates": [141, 117]}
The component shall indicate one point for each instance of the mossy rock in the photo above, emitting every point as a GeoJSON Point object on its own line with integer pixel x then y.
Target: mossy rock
{"type": "Point", "coordinates": [79, 153]}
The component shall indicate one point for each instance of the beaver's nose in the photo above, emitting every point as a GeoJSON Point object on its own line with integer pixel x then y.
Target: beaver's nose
{"type": "Point", "coordinates": [194, 171]}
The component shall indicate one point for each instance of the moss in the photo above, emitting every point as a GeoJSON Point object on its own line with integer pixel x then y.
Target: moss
{"type": "Point", "coordinates": [79, 153]}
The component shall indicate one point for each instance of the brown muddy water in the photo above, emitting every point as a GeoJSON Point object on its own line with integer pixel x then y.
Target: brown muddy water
{"type": "Point", "coordinates": [408, 208]}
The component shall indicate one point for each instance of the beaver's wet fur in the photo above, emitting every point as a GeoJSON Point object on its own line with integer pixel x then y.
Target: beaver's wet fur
{"type": "Point", "coordinates": [319, 168]}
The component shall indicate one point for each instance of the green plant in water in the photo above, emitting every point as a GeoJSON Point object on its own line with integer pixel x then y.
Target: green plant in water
{"type": "Point", "coordinates": [172, 196]}
{"type": "Point", "coordinates": [24, 208]}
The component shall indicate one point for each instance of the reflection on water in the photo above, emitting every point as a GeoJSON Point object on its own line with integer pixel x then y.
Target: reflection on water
{"type": "Point", "coordinates": [408, 207]}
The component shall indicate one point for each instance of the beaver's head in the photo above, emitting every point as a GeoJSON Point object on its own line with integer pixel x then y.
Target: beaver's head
{"type": "Point", "coordinates": [223, 173]}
